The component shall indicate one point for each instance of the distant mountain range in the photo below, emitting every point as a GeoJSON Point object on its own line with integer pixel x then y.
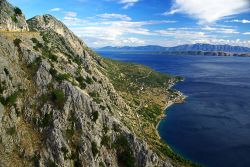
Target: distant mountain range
{"type": "Point", "coordinates": [181, 48]}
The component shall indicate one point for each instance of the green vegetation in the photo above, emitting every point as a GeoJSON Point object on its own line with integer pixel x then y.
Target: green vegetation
{"type": "Point", "coordinates": [151, 113]}
{"type": "Point", "coordinates": [71, 131]}
{"type": "Point", "coordinates": [47, 53]}
{"type": "Point", "coordinates": [106, 141]}
{"type": "Point", "coordinates": [96, 97]}
{"type": "Point", "coordinates": [84, 81]}
{"type": "Point", "coordinates": [81, 82]}
{"type": "Point", "coordinates": [145, 88]}
{"type": "Point", "coordinates": [51, 163]}
{"type": "Point", "coordinates": [94, 94]}
{"type": "Point", "coordinates": [89, 80]}
{"type": "Point", "coordinates": [102, 107]}
{"type": "Point", "coordinates": [18, 11]}
{"type": "Point", "coordinates": [130, 77]}
{"type": "Point", "coordinates": [2, 88]}
{"type": "Point", "coordinates": [124, 152]}
{"type": "Point", "coordinates": [59, 77]}
{"type": "Point", "coordinates": [175, 157]}
{"type": "Point", "coordinates": [46, 120]}
{"type": "Point", "coordinates": [94, 149]}
{"type": "Point", "coordinates": [38, 45]}
{"type": "Point", "coordinates": [11, 131]}
{"type": "Point", "coordinates": [57, 96]}
{"type": "Point", "coordinates": [95, 116]}
{"type": "Point", "coordinates": [35, 65]}
{"type": "Point", "coordinates": [101, 164]}
{"type": "Point", "coordinates": [35, 160]}
{"type": "Point", "coordinates": [65, 151]}
{"type": "Point", "coordinates": [13, 18]}
{"type": "Point", "coordinates": [10, 100]}
{"type": "Point", "coordinates": [6, 71]}
{"type": "Point", "coordinates": [17, 42]}
{"type": "Point", "coordinates": [94, 79]}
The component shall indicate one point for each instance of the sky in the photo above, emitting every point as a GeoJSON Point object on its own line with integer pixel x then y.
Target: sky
{"type": "Point", "coordinates": [149, 22]}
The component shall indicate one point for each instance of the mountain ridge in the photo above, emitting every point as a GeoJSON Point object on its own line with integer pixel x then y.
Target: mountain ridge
{"type": "Point", "coordinates": [180, 48]}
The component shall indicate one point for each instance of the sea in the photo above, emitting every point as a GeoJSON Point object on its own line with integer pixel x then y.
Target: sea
{"type": "Point", "coordinates": [212, 126]}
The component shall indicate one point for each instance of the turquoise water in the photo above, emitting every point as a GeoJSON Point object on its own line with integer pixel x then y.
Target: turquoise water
{"type": "Point", "coordinates": [213, 126]}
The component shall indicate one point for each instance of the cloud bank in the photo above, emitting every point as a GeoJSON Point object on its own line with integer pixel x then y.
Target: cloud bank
{"type": "Point", "coordinates": [209, 11]}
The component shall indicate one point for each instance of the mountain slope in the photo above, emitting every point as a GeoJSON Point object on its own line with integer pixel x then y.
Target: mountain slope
{"type": "Point", "coordinates": [11, 18]}
{"type": "Point", "coordinates": [61, 104]}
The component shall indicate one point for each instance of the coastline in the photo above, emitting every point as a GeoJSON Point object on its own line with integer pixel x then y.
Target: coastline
{"type": "Point", "coordinates": [178, 100]}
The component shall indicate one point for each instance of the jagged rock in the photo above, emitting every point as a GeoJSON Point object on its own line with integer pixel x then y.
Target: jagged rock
{"type": "Point", "coordinates": [43, 77]}
{"type": "Point", "coordinates": [48, 22]}
{"type": "Point", "coordinates": [11, 18]}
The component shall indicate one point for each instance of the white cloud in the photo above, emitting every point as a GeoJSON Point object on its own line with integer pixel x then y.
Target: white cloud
{"type": "Point", "coordinates": [128, 3]}
{"type": "Point", "coordinates": [180, 36]}
{"type": "Point", "coordinates": [107, 31]}
{"type": "Point", "coordinates": [70, 14]}
{"type": "Point", "coordinates": [208, 11]}
{"type": "Point", "coordinates": [220, 30]}
{"type": "Point", "coordinates": [114, 16]}
{"type": "Point", "coordinates": [176, 33]}
{"type": "Point", "coordinates": [103, 30]}
{"type": "Point", "coordinates": [246, 33]}
{"type": "Point", "coordinates": [244, 21]}
{"type": "Point", "coordinates": [55, 10]}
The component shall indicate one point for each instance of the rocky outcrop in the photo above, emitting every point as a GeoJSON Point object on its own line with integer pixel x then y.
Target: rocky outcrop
{"type": "Point", "coordinates": [49, 23]}
{"type": "Point", "coordinates": [11, 18]}
{"type": "Point", "coordinates": [57, 106]}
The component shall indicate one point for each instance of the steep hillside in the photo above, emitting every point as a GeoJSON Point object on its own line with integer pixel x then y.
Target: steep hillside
{"type": "Point", "coordinates": [11, 18]}
{"type": "Point", "coordinates": [61, 104]}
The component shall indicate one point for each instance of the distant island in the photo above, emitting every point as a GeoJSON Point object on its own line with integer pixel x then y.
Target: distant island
{"type": "Point", "coordinates": [194, 49]}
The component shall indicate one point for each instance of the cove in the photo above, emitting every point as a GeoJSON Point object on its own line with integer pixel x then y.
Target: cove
{"type": "Point", "coordinates": [212, 127]}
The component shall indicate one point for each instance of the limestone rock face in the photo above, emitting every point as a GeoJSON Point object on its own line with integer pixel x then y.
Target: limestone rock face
{"type": "Point", "coordinates": [49, 23]}
{"type": "Point", "coordinates": [56, 106]}
{"type": "Point", "coordinates": [11, 18]}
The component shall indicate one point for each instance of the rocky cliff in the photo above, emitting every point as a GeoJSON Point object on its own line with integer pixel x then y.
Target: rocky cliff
{"type": "Point", "coordinates": [63, 105]}
{"type": "Point", "coordinates": [11, 18]}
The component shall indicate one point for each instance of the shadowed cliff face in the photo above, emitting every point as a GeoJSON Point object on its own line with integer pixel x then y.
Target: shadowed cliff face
{"type": "Point", "coordinates": [57, 104]}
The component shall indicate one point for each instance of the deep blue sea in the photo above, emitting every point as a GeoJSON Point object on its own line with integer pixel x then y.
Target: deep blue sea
{"type": "Point", "coordinates": [213, 126]}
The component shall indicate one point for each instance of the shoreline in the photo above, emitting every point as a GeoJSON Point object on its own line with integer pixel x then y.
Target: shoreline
{"type": "Point", "coordinates": [180, 98]}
